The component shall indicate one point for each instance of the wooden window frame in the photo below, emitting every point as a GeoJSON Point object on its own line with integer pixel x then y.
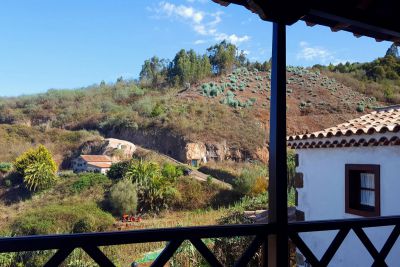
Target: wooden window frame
{"type": "Point", "coordinates": [371, 168]}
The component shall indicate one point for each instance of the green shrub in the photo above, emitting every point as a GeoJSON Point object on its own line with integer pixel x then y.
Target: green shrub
{"type": "Point", "coordinates": [5, 167]}
{"type": "Point", "coordinates": [157, 110]}
{"type": "Point", "coordinates": [360, 107]}
{"type": "Point", "coordinates": [247, 183]}
{"type": "Point", "coordinates": [60, 218]}
{"type": "Point", "coordinates": [119, 121]}
{"type": "Point", "coordinates": [7, 183]}
{"type": "Point", "coordinates": [34, 155]}
{"type": "Point", "coordinates": [12, 179]}
{"type": "Point", "coordinates": [228, 250]}
{"type": "Point", "coordinates": [171, 172]}
{"type": "Point", "coordinates": [8, 259]}
{"type": "Point", "coordinates": [118, 170]}
{"type": "Point", "coordinates": [88, 180]}
{"type": "Point", "coordinates": [259, 202]}
{"type": "Point", "coordinates": [194, 194]}
{"type": "Point", "coordinates": [84, 225]}
{"type": "Point", "coordinates": [389, 93]}
{"type": "Point", "coordinates": [123, 197]}
{"type": "Point", "coordinates": [144, 105]}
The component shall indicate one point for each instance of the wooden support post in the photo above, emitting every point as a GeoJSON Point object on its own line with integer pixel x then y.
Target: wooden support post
{"type": "Point", "coordinates": [278, 252]}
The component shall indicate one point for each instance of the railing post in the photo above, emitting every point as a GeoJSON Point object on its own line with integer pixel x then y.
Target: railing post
{"type": "Point", "coordinates": [278, 243]}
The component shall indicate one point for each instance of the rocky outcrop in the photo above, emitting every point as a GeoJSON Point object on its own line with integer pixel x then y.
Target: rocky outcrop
{"type": "Point", "coordinates": [161, 140]}
{"type": "Point", "coordinates": [116, 149]}
{"type": "Point", "coordinates": [196, 151]}
{"type": "Point", "coordinates": [183, 149]}
{"type": "Point", "coordinates": [119, 148]}
{"type": "Point", "coordinates": [262, 154]}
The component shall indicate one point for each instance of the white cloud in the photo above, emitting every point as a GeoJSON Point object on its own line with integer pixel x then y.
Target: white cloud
{"type": "Point", "coordinates": [316, 53]}
{"type": "Point", "coordinates": [197, 42]}
{"type": "Point", "coordinates": [309, 53]}
{"type": "Point", "coordinates": [233, 38]}
{"type": "Point", "coordinates": [182, 11]}
{"type": "Point", "coordinates": [203, 23]}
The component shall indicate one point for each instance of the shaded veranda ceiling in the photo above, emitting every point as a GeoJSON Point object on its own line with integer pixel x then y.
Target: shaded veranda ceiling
{"type": "Point", "coordinates": [378, 19]}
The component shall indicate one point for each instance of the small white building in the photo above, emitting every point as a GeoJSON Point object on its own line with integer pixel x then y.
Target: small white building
{"type": "Point", "coordinates": [350, 171]}
{"type": "Point", "coordinates": [92, 163]}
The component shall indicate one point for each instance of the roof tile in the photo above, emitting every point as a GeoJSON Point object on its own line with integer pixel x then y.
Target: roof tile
{"type": "Point", "coordinates": [96, 158]}
{"type": "Point", "coordinates": [380, 121]}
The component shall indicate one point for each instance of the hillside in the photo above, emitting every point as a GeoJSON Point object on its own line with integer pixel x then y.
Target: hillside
{"type": "Point", "coordinates": [310, 97]}
{"type": "Point", "coordinates": [16, 139]}
{"type": "Point", "coordinates": [231, 108]}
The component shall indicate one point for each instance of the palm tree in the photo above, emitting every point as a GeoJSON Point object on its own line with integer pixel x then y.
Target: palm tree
{"type": "Point", "coordinates": [142, 173]}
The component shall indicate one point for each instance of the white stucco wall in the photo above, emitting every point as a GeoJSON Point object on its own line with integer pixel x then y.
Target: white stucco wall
{"type": "Point", "coordinates": [323, 198]}
{"type": "Point", "coordinates": [91, 168]}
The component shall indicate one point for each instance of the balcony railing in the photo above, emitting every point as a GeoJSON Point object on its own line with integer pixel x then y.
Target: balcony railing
{"type": "Point", "coordinates": [89, 242]}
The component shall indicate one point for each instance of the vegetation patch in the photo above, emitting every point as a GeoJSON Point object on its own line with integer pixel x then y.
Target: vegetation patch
{"type": "Point", "coordinates": [88, 180]}
{"type": "Point", "coordinates": [61, 218]}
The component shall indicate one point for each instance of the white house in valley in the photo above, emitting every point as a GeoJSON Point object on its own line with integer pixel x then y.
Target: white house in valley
{"type": "Point", "coordinates": [92, 163]}
{"type": "Point", "coordinates": [350, 171]}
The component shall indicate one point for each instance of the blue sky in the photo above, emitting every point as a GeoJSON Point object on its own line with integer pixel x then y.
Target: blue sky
{"type": "Point", "coordinates": [73, 43]}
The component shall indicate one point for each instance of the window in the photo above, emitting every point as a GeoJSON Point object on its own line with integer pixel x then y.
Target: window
{"type": "Point", "coordinates": [363, 189]}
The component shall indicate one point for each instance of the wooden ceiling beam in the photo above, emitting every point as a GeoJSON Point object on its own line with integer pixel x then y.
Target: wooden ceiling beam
{"type": "Point", "coordinates": [222, 3]}
{"type": "Point", "coordinates": [339, 27]}
{"type": "Point", "coordinates": [364, 4]}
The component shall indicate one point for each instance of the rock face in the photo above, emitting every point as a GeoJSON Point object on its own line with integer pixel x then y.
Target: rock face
{"type": "Point", "coordinates": [195, 153]}
{"type": "Point", "coordinates": [161, 140]}
{"type": "Point", "coordinates": [119, 148]}
{"type": "Point", "coordinates": [116, 149]}
{"type": "Point", "coordinates": [217, 151]}
{"type": "Point", "coordinates": [184, 150]}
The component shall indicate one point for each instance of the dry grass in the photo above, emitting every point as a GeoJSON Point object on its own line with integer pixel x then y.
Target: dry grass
{"type": "Point", "coordinates": [126, 254]}
{"type": "Point", "coordinates": [16, 139]}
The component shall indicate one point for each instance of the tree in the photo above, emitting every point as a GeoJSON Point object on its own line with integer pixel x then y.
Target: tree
{"type": "Point", "coordinates": [378, 72]}
{"type": "Point", "coordinates": [153, 71]}
{"type": "Point", "coordinates": [155, 192]}
{"type": "Point", "coordinates": [118, 170]}
{"type": "Point", "coordinates": [392, 51]}
{"type": "Point", "coordinates": [142, 173]}
{"type": "Point", "coordinates": [242, 59]}
{"type": "Point", "coordinates": [34, 155]}
{"type": "Point", "coordinates": [123, 197]}
{"type": "Point", "coordinates": [188, 67]}
{"type": "Point", "coordinates": [222, 57]}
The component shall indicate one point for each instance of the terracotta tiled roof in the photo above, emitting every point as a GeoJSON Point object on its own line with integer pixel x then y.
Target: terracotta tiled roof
{"type": "Point", "coordinates": [357, 132]}
{"type": "Point", "coordinates": [101, 164]}
{"type": "Point", "coordinates": [96, 158]}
